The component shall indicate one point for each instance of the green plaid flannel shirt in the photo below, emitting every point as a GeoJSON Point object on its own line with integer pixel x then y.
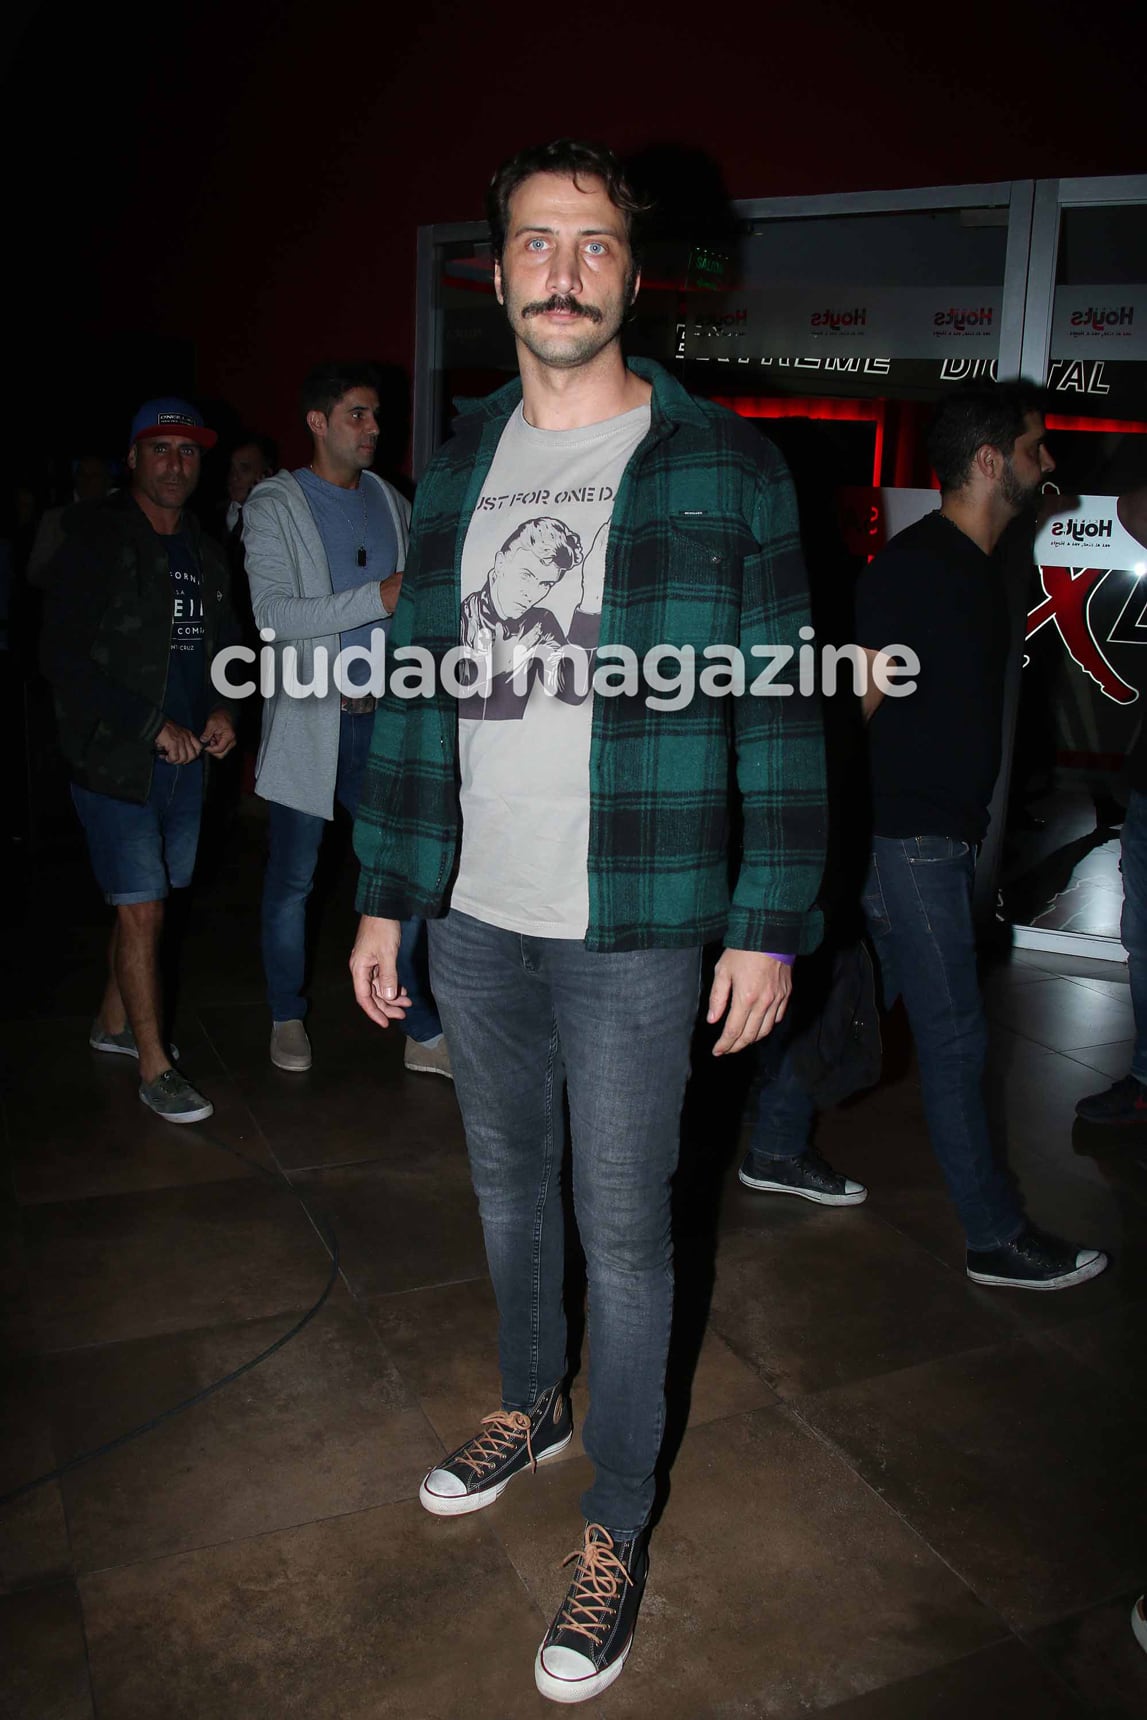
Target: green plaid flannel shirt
{"type": "Point", "coordinates": [705, 823]}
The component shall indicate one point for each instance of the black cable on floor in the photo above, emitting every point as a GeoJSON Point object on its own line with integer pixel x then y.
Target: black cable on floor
{"type": "Point", "coordinates": [327, 1234]}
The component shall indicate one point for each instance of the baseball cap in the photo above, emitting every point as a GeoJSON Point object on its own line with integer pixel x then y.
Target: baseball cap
{"type": "Point", "coordinates": [170, 416]}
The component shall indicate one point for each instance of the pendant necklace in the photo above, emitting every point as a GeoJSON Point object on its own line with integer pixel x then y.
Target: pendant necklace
{"type": "Point", "coordinates": [360, 558]}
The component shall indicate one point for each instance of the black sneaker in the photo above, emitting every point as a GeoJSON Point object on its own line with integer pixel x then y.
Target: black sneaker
{"type": "Point", "coordinates": [1126, 1102]}
{"type": "Point", "coordinates": [809, 1176]}
{"type": "Point", "coordinates": [584, 1649]}
{"type": "Point", "coordinates": [474, 1475]}
{"type": "Point", "coordinates": [1035, 1261]}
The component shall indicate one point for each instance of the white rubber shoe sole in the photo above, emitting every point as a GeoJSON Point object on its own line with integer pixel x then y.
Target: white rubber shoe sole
{"type": "Point", "coordinates": [578, 1689]}
{"type": "Point", "coordinates": [1089, 1269]}
{"type": "Point", "coordinates": [461, 1504]}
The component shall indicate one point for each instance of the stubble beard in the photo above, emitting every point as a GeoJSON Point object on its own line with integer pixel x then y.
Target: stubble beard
{"type": "Point", "coordinates": [1021, 498]}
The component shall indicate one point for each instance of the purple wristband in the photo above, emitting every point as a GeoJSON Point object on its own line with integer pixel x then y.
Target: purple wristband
{"type": "Point", "coordinates": [775, 956]}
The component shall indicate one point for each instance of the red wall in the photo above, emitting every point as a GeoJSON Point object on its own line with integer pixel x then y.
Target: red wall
{"type": "Point", "coordinates": [249, 177]}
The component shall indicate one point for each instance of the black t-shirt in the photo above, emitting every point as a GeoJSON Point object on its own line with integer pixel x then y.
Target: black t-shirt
{"type": "Point", "coordinates": [186, 700]}
{"type": "Point", "coordinates": [935, 754]}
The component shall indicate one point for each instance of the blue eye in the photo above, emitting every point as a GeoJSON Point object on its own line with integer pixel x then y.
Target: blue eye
{"type": "Point", "coordinates": [596, 246]}
{"type": "Point", "coordinates": [535, 244]}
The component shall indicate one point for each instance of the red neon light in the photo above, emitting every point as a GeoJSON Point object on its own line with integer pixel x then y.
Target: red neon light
{"type": "Point", "coordinates": [1133, 427]}
{"type": "Point", "coordinates": [838, 411]}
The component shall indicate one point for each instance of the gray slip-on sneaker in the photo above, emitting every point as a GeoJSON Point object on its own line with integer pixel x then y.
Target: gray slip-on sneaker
{"type": "Point", "coordinates": [290, 1046]}
{"type": "Point", "coordinates": [423, 1059]}
{"type": "Point", "coordinates": [173, 1098]}
{"type": "Point", "coordinates": [121, 1044]}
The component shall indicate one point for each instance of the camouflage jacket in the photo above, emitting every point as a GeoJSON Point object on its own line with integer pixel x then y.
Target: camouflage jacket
{"type": "Point", "coordinates": [106, 642]}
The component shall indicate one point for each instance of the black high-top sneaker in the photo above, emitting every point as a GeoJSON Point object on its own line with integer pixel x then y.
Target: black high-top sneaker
{"type": "Point", "coordinates": [507, 1442]}
{"type": "Point", "coordinates": [584, 1649]}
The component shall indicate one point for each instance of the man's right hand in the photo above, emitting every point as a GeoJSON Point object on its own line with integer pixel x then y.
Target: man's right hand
{"type": "Point", "coordinates": [177, 744]}
{"type": "Point", "coordinates": [374, 970]}
{"type": "Point", "coordinates": [388, 590]}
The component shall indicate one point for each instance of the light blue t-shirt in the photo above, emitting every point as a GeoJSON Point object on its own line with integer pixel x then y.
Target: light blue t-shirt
{"type": "Point", "coordinates": [349, 521]}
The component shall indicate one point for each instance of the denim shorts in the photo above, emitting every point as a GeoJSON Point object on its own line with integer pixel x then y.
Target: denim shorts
{"type": "Point", "coordinates": [139, 853]}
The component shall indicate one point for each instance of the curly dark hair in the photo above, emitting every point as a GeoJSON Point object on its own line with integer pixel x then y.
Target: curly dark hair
{"type": "Point", "coordinates": [574, 159]}
{"type": "Point", "coordinates": [974, 414]}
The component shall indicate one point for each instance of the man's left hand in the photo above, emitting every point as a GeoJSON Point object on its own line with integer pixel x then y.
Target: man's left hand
{"type": "Point", "coordinates": [755, 990]}
{"type": "Point", "coordinates": [219, 736]}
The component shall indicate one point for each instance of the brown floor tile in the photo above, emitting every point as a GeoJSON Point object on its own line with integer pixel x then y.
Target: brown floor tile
{"type": "Point", "coordinates": [1118, 986]}
{"type": "Point", "coordinates": [33, 1534]}
{"type": "Point", "coordinates": [1073, 1199]}
{"type": "Point", "coordinates": [1012, 971]}
{"type": "Point", "coordinates": [746, 1575]}
{"type": "Point", "coordinates": [42, 1653]}
{"type": "Point", "coordinates": [1068, 967]}
{"type": "Point", "coordinates": [1112, 1061]}
{"type": "Point", "coordinates": [383, 1615]}
{"type": "Point", "coordinates": [17, 1329]}
{"type": "Point", "coordinates": [323, 1427]}
{"type": "Point", "coordinates": [1013, 1463]}
{"type": "Point", "coordinates": [403, 1225]}
{"type": "Point", "coordinates": [1114, 1342]}
{"type": "Point", "coordinates": [444, 1343]}
{"type": "Point", "coordinates": [1063, 1016]}
{"type": "Point", "coordinates": [88, 1134]}
{"type": "Point", "coordinates": [70, 985]}
{"type": "Point", "coordinates": [134, 1265]}
{"type": "Point", "coordinates": [1006, 1682]}
{"type": "Point", "coordinates": [1097, 1657]}
{"type": "Point", "coordinates": [834, 1295]}
{"type": "Point", "coordinates": [355, 1103]}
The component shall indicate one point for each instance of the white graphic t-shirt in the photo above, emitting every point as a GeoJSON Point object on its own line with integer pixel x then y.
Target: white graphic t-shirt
{"type": "Point", "coordinates": [533, 574]}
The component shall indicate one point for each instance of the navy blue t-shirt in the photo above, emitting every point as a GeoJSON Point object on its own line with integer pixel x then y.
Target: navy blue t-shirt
{"type": "Point", "coordinates": [186, 700]}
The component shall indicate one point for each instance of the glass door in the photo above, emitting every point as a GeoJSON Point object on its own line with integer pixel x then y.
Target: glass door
{"type": "Point", "coordinates": [1084, 680]}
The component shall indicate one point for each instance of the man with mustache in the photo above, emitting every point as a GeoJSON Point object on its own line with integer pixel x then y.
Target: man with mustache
{"type": "Point", "coordinates": [137, 605]}
{"type": "Point", "coordinates": [573, 862]}
{"type": "Point", "coordinates": [325, 547]}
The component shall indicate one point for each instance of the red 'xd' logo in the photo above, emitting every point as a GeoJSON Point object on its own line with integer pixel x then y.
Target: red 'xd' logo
{"type": "Point", "coordinates": [1069, 593]}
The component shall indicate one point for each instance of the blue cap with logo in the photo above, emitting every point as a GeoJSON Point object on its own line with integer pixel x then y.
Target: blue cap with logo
{"type": "Point", "coordinates": [170, 416]}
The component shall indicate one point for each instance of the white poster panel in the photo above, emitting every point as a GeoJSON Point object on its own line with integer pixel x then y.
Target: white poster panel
{"type": "Point", "coordinates": [1103, 322]}
{"type": "Point", "coordinates": [796, 322]}
{"type": "Point", "coordinates": [1091, 532]}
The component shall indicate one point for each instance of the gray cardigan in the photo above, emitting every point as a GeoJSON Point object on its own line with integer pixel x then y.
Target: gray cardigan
{"type": "Point", "coordinates": [291, 592]}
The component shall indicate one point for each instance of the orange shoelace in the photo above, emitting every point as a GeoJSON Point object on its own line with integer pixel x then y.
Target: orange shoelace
{"type": "Point", "coordinates": [595, 1588]}
{"type": "Point", "coordinates": [506, 1429]}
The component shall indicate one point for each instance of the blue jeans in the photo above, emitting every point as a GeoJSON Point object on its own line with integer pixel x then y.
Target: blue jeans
{"type": "Point", "coordinates": [519, 1013]}
{"type": "Point", "coordinates": [295, 838]}
{"type": "Point", "coordinates": [918, 904]}
{"type": "Point", "coordinates": [784, 1110]}
{"type": "Point", "coordinates": [139, 852]}
{"type": "Point", "coordinates": [1133, 927]}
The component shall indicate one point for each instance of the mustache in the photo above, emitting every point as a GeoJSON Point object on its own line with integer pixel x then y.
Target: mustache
{"type": "Point", "coordinates": [561, 302]}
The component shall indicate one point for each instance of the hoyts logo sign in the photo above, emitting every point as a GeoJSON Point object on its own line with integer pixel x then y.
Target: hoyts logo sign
{"type": "Point", "coordinates": [1081, 530]}
{"type": "Point", "coordinates": [726, 320]}
{"type": "Point", "coordinates": [959, 320]}
{"type": "Point", "coordinates": [855, 318]}
{"type": "Point", "coordinates": [1100, 317]}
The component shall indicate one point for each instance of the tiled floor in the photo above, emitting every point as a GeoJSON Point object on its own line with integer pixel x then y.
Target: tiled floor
{"type": "Point", "coordinates": [890, 1495]}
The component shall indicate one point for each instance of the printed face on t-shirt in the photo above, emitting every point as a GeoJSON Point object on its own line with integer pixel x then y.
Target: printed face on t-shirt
{"type": "Point", "coordinates": [529, 563]}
